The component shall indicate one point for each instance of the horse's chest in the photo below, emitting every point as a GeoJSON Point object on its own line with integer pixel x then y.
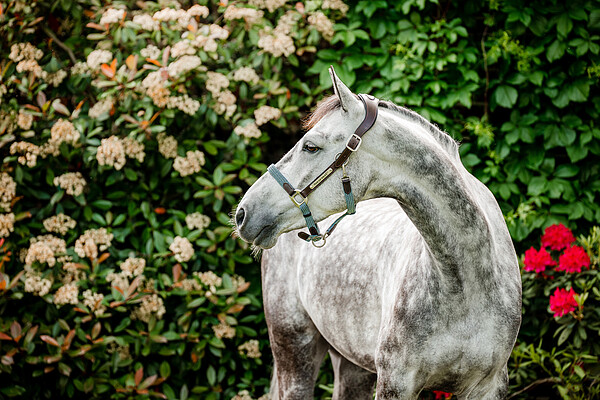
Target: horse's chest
{"type": "Point", "coordinates": [345, 306]}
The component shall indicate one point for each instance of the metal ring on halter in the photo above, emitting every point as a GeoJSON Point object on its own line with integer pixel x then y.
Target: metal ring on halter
{"type": "Point", "coordinates": [344, 175]}
{"type": "Point", "coordinates": [323, 238]}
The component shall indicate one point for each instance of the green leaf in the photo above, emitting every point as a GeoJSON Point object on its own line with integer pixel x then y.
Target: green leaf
{"type": "Point", "coordinates": [102, 204]}
{"type": "Point", "coordinates": [211, 375]}
{"type": "Point", "coordinates": [165, 369]}
{"type": "Point", "coordinates": [564, 24]}
{"type": "Point", "coordinates": [537, 186]}
{"type": "Point", "coordinates": [566, 171]}
{"type": "Point", "coordinates": [506, 96]}
{"type": "Point", "coordinates": [556, 50]}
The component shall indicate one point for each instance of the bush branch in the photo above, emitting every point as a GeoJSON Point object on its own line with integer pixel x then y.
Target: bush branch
{"type": "Point", "coordinates": [534, 384]}
{"type": "Point", "coordinates": [61, 44]}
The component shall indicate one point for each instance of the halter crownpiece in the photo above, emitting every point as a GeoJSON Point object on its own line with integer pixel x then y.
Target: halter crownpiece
{"type": "Point", "coordinates": [300, 197]}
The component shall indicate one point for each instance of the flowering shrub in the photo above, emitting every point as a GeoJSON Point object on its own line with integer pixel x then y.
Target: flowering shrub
{"type": "Point", "coordinates": [561, 302]}
{"type": "Point", "coordinates": [128, 130]}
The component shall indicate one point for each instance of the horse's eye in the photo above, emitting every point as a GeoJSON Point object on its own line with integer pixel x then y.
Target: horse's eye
{"type": "Point", "coordinates": [310, 148]}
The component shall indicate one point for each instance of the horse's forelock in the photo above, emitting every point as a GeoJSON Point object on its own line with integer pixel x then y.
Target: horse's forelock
{"type": "Point", "coordinates": [323, 108]}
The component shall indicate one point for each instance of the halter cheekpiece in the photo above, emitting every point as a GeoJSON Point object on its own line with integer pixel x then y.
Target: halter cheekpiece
{"type": "Point", "coordinates": [300, 197]}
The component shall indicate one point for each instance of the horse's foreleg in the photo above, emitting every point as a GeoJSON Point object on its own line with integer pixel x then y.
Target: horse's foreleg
{"type": "Point", "coordinates": [494, 387]}
{"type": "Point", "coordinates": [351, 381]}
{"type": "Point", "coordinates": [298, 356]}
{"type": "Point", "coordinates": [397, 377]}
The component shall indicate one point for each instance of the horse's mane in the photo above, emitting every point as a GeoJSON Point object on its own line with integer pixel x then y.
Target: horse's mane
{"type": "Point", "coordinates": [332, 103]}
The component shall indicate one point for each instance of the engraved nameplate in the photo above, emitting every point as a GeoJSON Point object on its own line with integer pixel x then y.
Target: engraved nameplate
{"type": "Point", "coordinates": [320, 179]}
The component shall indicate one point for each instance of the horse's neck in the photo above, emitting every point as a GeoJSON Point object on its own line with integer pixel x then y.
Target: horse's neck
{"type": "Point", "coordinates": [441, 199]}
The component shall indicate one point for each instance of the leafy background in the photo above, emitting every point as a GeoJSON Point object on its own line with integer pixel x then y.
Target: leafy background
{"type": "Point", "coordinates": [516, 84]}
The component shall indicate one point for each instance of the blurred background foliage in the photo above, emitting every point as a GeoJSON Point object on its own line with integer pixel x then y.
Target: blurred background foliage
{"type": "Point", "coordinates": [130, 129]}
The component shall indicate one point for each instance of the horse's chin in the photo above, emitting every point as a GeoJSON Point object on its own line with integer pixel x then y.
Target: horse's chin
{"type": "Point", "coordinates": [267, 237]}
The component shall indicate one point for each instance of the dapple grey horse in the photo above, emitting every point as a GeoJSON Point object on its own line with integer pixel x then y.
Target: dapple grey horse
{"type": "Point", "coordinates": [419, 290]}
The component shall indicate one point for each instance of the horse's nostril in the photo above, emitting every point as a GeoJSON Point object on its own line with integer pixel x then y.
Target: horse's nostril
{"type": "Point", "coordinates": [239, 216]}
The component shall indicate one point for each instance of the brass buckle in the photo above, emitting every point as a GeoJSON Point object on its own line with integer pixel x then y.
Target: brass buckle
{"type": "Point", "coordinates": [295, 200]}
{"type": "Point", "coordinates": [357, 146]}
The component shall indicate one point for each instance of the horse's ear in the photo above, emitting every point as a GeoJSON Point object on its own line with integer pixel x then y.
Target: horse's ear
{"type": "Point", "coordinates": [347, 98]}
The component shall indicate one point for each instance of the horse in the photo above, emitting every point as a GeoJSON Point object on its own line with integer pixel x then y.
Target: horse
{"type": "Point", "coordinates": [419, 290]}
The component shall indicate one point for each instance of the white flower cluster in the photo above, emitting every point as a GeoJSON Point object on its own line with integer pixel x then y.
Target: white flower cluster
{"type": "Point", "coordinates": [151, 305]}
{"type": "Point", "coordinates": [250, 349]}
{"type": "Point", "coordinates": [59, 223]}
{"type": "Point", "coordinates": [246, 74]}
{"type": "Point", "coordinates": [93, 301]}
{"type": "Point", "coordinates": [133, 148]}
{"type": "Point", "coordinates": [322, 24]}
{"type": "Point", "coordinates": [8, 190]}
{"type": "Point", "coordinates": [7, 222]}
{"type": "Point", "coordinates": [167, 145]}
{"type": "Point", "coordinates": [24, 51]}
{"type": "Point", "coordinates": [190, 164]}
{"type": "Point", "coordinates": [265, 114]}
{"type": "Point", "coordinates": [275, 42]}
{"type": "Point", "coordinates": [66, 294]}
{"type": "Point", "coordinates": [249, 131]}
{"type": "Point", "coordinates": [182, 249]}
{"type": "Point", "coordinates": [242, 395]}
{"type": "Point", "coordinates": [54, 78]}
{"type": "Point", "coordinates": [250, 15]}
{"type": "Point", "coordinates": [118, 279]}
{"type": "Point", "coordinates": [197, 221]}
{"type": "Point", "coordinates": [46, 249]}
{"type": "Point", "coordinates": [100, 108]}
{"type": "Point", "coordinates": [270, 5]}
{"type": "Point", "coordinates": [133, 266]}
{"type": "Point", "coordinates": [74, 273]}
{"type": "Point", "coordinates": [112, 16]}
{"type": "Point", "coordinates": [92, 241]}
{"type": "Point", "coordinates": [184, 103]}
{"type": "Point", "coordinates": [146, 22]}
{"type": "Point", "coordinates": [198, 11]}
{"type": "Point", "coordinates": [28, 153]}
{"type": "Point", "coordinates": [215, 84]}
{"type": "Point", "coordinates": [27, 55]}
{"type": "Point", "coordinates": [335, 5]}
{"type": "Point", "coordinates": [72, 183]}
{"type": "Point", "coordinates": [111, 153]}
{"type": "Point", "coordinates": [63, 131]}
{"type": "Point", "coordinates": [24, 120]}
{"type": "Point", "coordinates": [209, 279]}
{"type": "Point", "coordinates": [80, 68]}
{"type": "Point", "coordinates": [150, 51]}
{"type": "Point", "coordinates": [34, 283]}
{"type": "Point", "coordinates": [189, 284]}
{"type": "Point", "coordinates": [98, 57]}
{"type": "Point", "coordinates": [223, 330]}
{"type": "Point", "coordinates": [182, 48]}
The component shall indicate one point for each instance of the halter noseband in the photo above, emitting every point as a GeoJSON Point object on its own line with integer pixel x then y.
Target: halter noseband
{"type": "Point", "coordinates": [300, 197]}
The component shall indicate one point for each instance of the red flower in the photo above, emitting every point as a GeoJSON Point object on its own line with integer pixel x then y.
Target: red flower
{"type": "Point", "coordinates": [537, 260]}
{"type": "Point", "coordinates": [557, 237]}
{"type": "Point", "coordinates": [573, 259]}
{"type": "Point", "coordinates": [563, 302]}
{"type": "Point", "coordinates": [439, 395]}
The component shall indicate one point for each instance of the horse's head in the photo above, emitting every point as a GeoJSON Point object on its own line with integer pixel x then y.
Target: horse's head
{"type": "Point", "coordinates": [266, 210]}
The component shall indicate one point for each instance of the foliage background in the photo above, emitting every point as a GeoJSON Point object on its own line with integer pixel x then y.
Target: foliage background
{"type": "Point", "coordinates": [516, 84]}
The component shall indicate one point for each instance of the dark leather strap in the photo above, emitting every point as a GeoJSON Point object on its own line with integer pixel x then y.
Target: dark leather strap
{"type": "Point", "coordinates": [371, 109]}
